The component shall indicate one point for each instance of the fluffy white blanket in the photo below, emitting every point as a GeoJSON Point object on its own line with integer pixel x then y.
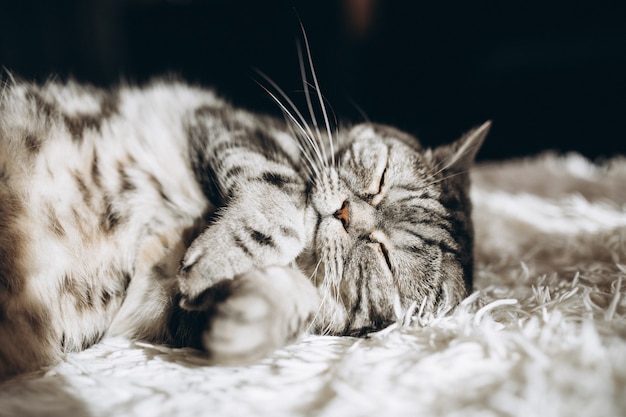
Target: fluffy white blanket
{"type": "Point", "coordinates": [543, 335]}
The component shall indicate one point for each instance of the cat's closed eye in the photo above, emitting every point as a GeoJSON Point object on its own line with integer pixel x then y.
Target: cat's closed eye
{"type": "Point", "coordinates": [378, 241]}
{"type": "Point", "coordinates": [374, 198]}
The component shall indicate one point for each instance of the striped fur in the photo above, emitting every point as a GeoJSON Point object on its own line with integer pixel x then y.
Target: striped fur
{"type": "Point", "coordinates": [165, 214]}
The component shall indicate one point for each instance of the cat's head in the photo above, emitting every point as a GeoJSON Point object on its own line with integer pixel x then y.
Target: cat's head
{"type": "Point", "coordinates": [393, 227]}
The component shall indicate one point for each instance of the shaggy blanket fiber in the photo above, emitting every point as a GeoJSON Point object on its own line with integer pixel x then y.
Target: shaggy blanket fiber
{"type": "Point", "coordinates": [544, 333]}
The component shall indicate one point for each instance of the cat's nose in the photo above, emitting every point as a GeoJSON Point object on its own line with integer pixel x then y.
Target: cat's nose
{"type": "Point", "coordinates": [363, 218]}
{"type": "Point", "coordinates": [357, 217]}
{"type": "Point", "coordinates": [343, 214]}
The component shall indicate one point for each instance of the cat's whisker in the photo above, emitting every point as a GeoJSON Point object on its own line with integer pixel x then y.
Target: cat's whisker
{"type": "Point", "coordinates": [332, 319]}
{"type": "Point", "coordinates": [300, 120]}
{"type": "Point", "coordinates": [322, 310]}
{"type": "Point", "coordinates": [359, 109]}
{"type": "Point", "coordinates": [318, 311]}
{"type": "Point", "coordinates": [438, 168]}
{"type": "Point", "coordinates": [307, 95]}
{"type": "Point", "coordinates": [313, 148]}
{"type": "Point", "coordinates": [447, 163]}
{"type": "Point", "coordinates": [311, 164]}
{"type": "Point", "coordinates": [335, 181]}
{"type": "Point", "coordinates": [315, 271]}
{"type": "Point", "coordinates": [318, 91]}
{"type": "Point", "coordinates": [297, 124]}
{"type": "Point", "coordinates": [444, 178]}
{"type": "Point", "coordinates": [336, 165]}
{"type": "Point", "coordinates": [285, 97]}
{"type": "Point", "coordinates": [314, 143]}
{"type": "Point", "coordinates": [337, 276]}
{"type": "Point", "coordinates": [331, 286]}
{"type": "Point", "coordinates": [311, 167]}
{"type": "Point", "coordinates": [453, 159]}
{"type": "Point", "coordinates": [319, 137]}
{"type": "Point", "coordinates": [332, 146]}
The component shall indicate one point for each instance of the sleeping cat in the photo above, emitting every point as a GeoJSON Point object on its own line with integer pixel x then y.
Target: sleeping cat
{"type": "Point", "coordinates": [165, 214]}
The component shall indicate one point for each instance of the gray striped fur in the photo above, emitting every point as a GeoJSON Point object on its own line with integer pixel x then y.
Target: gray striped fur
{"type": "Point", "coordinates": [165, 214]}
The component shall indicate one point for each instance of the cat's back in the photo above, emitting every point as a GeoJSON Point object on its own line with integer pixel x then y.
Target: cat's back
{"type": "Point", "coordinates": [36, 121]}
{"type": "Point", "coordinates": [78, 163]}
{"type": "Point", "coordinates": [87, 178]}
{"type": "Point", "coordinates": [58, 124]}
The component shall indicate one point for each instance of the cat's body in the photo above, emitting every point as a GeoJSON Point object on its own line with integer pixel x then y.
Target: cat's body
{"type": "Point", "coordinates": [165, 214]}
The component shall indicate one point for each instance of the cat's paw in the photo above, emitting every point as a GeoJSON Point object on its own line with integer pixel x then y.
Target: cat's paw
{"type": "Point", "coordinates": [243, 328]}
{"type": "Point", "coordinates": [204, 265]}
{"type": "Point", "coordinates": [264, 310]}
{"type": "Point", "coordinates": [195, 278]}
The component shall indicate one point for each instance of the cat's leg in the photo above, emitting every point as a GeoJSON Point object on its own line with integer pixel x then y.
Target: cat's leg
{"type": "Point", "coordinates": [265, 227]}
{"type": "Point", "coordinates": [258, 312]}
{"type": "Point", "coordinates": [247, 168]}
{"type": "Point", "coordinates": [151, 310]}
{"type": "Point", "coordinates": [55, 296]}
{"type": "Point", "coordinates": [263, 222]}
{"type": "Point", "coordinates": [251, 306]}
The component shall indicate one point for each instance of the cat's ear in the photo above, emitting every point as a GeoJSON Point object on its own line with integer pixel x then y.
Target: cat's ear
{"type": "Point", "coordinates": [459, 155]}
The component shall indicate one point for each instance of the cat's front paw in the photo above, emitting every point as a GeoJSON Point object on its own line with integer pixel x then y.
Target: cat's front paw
{"type": "Point", "coordinates": [195, 278]}
{"type": "Point", "coordinates": [204, 265]}
{"type": "Point", "coordinates": [264, 310]}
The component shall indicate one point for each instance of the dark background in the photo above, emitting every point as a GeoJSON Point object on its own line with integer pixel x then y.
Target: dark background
{"type": "Point", "coordinates": [550, 74]}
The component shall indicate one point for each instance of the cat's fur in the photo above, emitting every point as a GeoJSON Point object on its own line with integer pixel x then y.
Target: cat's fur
{"type": "Point", "coordinates": [165, 214]}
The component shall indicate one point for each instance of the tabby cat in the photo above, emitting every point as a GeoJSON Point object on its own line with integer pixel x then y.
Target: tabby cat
{"type": "Point", "coordinates": [165, 214]}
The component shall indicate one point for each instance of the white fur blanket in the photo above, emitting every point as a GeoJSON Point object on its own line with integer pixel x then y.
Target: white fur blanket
{"type": "Point", "coordinates": [543, 335]}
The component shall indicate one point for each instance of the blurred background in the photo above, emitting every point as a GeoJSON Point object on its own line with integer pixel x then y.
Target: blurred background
{"type": "Point", "coordinates": [550, 74]}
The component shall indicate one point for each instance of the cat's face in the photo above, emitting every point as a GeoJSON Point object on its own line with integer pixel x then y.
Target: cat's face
{"type": "Point", "coordinates": [393, 228]}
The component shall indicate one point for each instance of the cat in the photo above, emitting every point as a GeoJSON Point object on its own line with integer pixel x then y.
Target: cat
{"type": "Point", "coordinates": [165, 214]}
